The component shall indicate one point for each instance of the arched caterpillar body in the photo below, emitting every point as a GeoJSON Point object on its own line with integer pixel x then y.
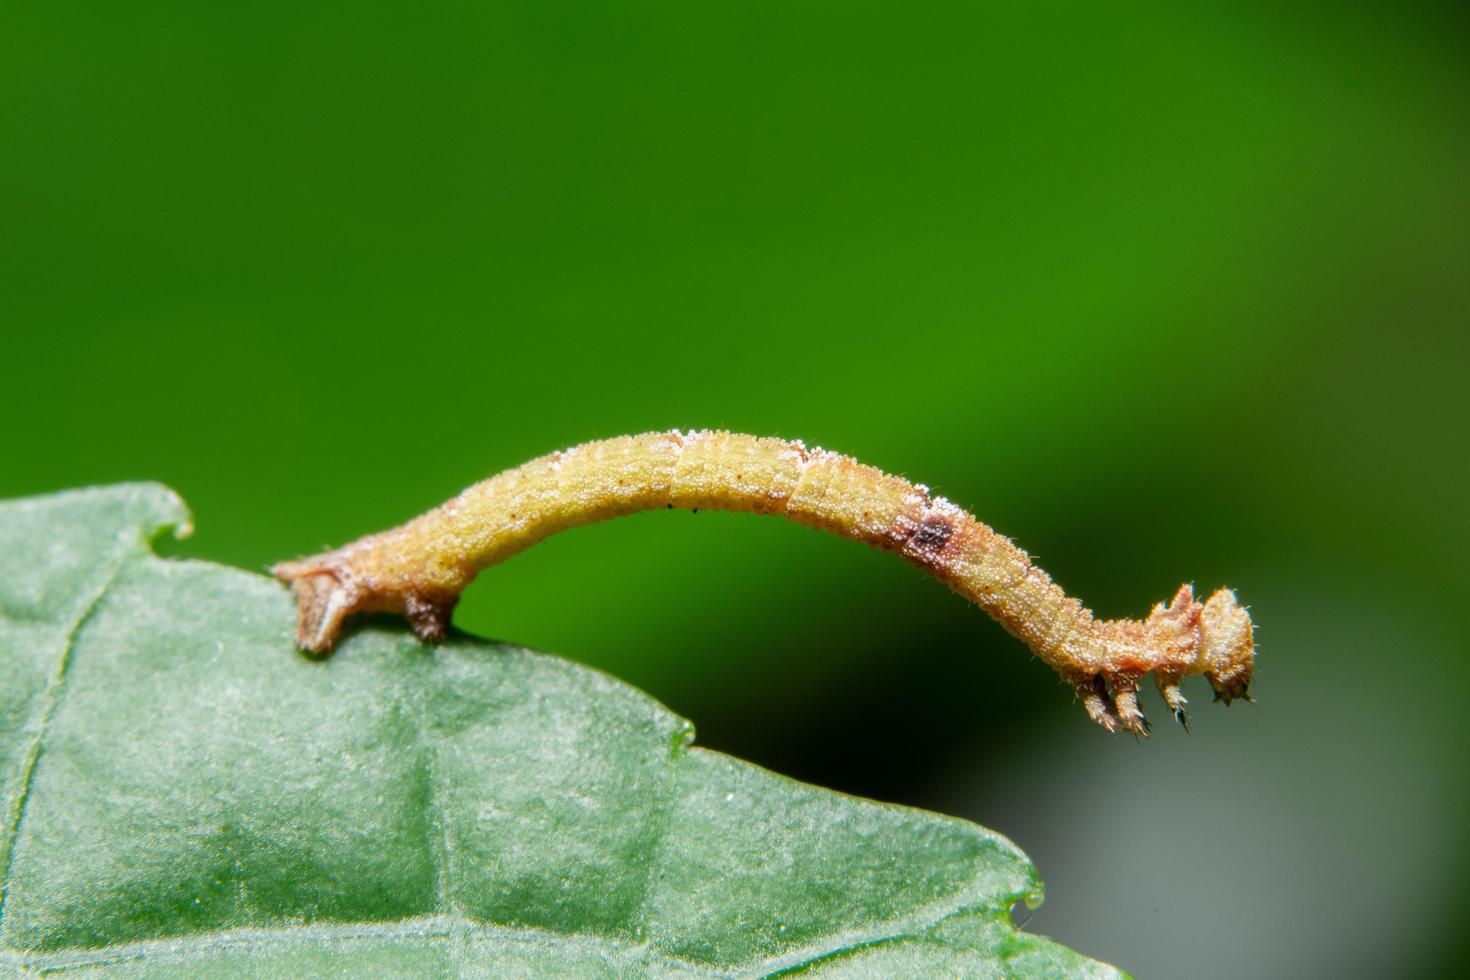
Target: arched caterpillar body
{"type": "Point", "coordinates": [420, 568]}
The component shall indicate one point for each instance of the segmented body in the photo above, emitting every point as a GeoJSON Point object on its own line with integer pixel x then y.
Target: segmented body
{"type": "Point", "coordinates": [420, 568]}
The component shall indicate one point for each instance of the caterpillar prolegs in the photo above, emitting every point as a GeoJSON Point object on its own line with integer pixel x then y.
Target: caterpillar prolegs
{"type": "Point", "coordinates": [419, 569]}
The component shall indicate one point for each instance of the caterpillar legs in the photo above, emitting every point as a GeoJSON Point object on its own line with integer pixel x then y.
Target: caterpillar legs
{"type": "Point", "coordinates": [429, 616]}
{"type": "Point", "coordinates": [1112, 702]}
{"type": "Point", "coordinates": [1095, 700]}
{"type": "Point", "coordinates": [327, 593]}
{"type": "Point", "coordinates": [1174, 698]}
{"type": "Point", "coordinates": [323, 601]}
{"type": "Point", "coordinates": [1125, 700]}
{"type": "Point", "coordinates": [1215, 638]}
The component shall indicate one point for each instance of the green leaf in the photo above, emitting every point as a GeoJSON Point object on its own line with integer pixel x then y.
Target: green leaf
{"type": "Point", "coordinates": [185, 795]}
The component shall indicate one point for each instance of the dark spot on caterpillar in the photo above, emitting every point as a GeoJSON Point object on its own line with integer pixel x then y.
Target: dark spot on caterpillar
{"type": "Point", "coordinates": [931, 536]}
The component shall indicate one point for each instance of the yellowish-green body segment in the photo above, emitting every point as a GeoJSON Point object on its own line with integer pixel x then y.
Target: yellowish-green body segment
{"type": "Point", "coordinates": [420, 568]}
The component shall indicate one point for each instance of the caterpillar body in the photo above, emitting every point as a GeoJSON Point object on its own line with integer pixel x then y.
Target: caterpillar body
{"type": "Point", "coordinates": [419, 569]}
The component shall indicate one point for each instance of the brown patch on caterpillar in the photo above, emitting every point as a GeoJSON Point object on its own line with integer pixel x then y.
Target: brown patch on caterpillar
{"type": "Point", "coordinates": [927, 530]}
{"type": "Point", "coordinates": [931, 544]}
{"type": "Point", "coordinates": [932, 535]}
{"type": "Point", "coordinates": [419, 569]}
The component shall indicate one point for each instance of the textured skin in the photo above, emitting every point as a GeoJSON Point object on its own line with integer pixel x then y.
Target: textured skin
{"type": "Point", "coordinates": [420, 568]}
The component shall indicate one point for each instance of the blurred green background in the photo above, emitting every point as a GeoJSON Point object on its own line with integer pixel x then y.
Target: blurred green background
{"type": "Point", "coordinates": [1164, 294]}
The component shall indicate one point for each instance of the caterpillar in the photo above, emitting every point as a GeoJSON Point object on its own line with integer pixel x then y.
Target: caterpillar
{"type": "Point", "coordinates": [419, 569]}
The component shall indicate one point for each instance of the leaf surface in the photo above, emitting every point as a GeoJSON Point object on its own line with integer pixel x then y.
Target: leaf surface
{"type": "Point", "coordinates": [183, 794]}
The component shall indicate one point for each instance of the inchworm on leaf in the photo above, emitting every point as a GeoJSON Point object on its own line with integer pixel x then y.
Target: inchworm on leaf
{"type": "Point", "coordinates": [420, 568]}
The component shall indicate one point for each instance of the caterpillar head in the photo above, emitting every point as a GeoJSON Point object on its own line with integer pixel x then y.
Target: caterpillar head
{"type": "Point", "coordinates": [1227, 649]}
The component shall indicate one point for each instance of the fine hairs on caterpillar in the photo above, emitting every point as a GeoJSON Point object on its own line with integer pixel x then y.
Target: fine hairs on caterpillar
{"type": "Point", "coordinates": [419, 569]}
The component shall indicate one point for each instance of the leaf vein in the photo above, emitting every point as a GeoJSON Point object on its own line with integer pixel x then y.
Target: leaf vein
{"type": "Point", "coordinates": [456, 927]}
{"type": "Point", "coordinates": [50, 700]}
